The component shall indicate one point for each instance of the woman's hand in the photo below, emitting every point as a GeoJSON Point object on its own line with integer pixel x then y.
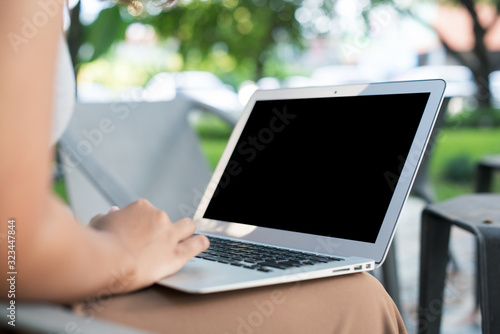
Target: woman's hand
{"type": "Point", "coordinates": [158, 247]}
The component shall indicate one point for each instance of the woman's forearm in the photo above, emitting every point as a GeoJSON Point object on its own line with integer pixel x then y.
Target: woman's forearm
{"type": "Point", "coordinates": [57, 258]}
{"type": "Point", "coordinates": [69, 261]}
{"type": "Point", "coordinates": [27, 64]}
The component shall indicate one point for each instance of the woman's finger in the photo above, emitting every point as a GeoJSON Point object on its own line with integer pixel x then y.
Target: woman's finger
{"type": "Point", "coordinates": [192, 247]}
{"type": "Point", "coordinates": [184, 228]}
{"type": "Point", "coordinates": [94, 219]}
{"type": "Point", "coordinates": [113, 209]}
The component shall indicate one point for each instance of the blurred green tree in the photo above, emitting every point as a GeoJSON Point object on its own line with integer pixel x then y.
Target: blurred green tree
{"type": "Point", "coordinates": [248, 30]}
{"type": "Point", "coordinates": [252, 32]}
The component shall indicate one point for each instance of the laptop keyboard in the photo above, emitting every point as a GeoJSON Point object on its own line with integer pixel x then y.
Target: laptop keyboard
{"type": "Point", "coordinates": [259, 257]}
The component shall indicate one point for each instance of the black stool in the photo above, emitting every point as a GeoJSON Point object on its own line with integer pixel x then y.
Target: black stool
{"type": "Point", "coordinates": [484, 173]}
{"type": "Point", "coordinates": [480, 215]}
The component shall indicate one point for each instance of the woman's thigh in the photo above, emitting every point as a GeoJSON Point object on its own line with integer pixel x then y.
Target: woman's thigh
{"type": "Point", "coordinates": [355, 303]}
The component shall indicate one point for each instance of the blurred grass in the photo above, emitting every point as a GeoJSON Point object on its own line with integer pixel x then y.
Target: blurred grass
{"type": "Point", "coordinates": [473, 143]}
{"type": "Point", "coordinates": [214, 134]}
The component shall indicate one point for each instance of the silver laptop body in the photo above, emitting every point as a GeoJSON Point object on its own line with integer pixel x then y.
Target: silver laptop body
{"type": "Point", "coordinates": [324, 171]}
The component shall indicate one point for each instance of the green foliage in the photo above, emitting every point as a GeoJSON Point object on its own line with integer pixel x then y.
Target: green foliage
{"type": "Point", "coordinates": [211, 127]}
{"type": "Point", "coordinates": [480, 117]}
{"type": "Point", "coordinates": [59, 188]}
{"type": "Point", "coordinates": [451, 143]}
{"type": "Point", "coordinates": [460, 169]}
{"type": "Point", "coordinates": [214, 134]}
{"type": "Point", "coordinates": [108, 28]}
{"type": "Point", "coordinates": [235, 39]}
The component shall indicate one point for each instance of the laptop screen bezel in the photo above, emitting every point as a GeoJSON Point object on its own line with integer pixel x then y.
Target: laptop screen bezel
{"type": "Point", "coordinates": [321, 244]}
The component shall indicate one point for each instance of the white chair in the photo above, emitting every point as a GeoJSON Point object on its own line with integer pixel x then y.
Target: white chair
{"type": "Point", "coordinates": [114, 153]}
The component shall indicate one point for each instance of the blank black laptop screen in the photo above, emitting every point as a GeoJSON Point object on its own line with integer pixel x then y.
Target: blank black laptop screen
{"type": "Point", "coordinates": [325, 166]}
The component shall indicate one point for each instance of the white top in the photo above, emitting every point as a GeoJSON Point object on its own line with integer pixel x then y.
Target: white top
{"type": "Point", "coordinates": [64, 92]}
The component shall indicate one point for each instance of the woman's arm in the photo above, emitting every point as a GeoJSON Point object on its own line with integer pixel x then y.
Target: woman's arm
{"type": "Point", "coordinates": [124, 250]}
{"type": "Point", "coordinates": [57, 258]}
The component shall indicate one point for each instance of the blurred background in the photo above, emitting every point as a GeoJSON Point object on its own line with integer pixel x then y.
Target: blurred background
{"type": "Point", "coordinates": [219, 52]}
{"type": "Point", "coordinates": [228, 48]}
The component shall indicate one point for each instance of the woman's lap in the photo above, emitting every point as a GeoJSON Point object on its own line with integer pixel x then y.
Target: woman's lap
{"type": "Point", "coordinates": [355, 303]}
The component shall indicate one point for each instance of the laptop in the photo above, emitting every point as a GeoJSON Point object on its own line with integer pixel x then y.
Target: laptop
{"type": "Point", "coordinates": [311, 184]}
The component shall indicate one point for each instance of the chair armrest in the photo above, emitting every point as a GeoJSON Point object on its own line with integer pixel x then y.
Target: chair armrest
{"type": "Point", "coordinates": [51, 318]}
